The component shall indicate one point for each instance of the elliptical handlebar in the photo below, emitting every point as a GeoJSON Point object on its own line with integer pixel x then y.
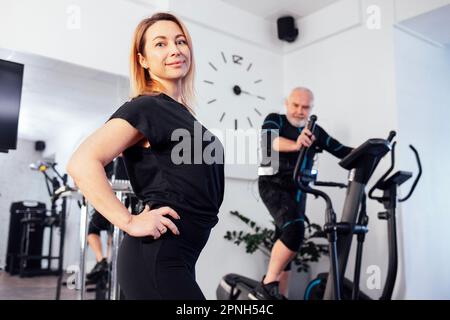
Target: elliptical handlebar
{"type": "Point", "coordinates": [392, 135]}
{"type": "Point", "coordinates": [382, 180]}
{"type": "Point", "coordinates": [331, 217]}
{"type": "Point", "coordinates": [310, 125]}
{"type": "Point", "coordinates": [413, 187]}
{"type": "Point", "coordinates": [386, 174]}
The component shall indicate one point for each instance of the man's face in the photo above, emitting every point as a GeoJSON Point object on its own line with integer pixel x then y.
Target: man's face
{"type": "Point", "coordinates": [298, 108]}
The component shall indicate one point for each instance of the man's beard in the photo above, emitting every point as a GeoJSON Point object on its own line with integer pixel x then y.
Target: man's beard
{"type": "Point", "coordinates": [297, 123]}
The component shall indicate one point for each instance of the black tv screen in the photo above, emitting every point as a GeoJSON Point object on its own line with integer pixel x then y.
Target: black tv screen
{"type": "Point", "coordinates": [11, 76]}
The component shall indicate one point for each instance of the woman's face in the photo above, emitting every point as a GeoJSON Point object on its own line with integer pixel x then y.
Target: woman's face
{"type": "Point", "coordinates": [166, 53]}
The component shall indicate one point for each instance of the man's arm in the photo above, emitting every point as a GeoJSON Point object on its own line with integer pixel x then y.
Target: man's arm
{"type": "Point", "coordinates": [306, 139]}
{"type": "Point", "coordinates": [271, 139]}
{"type": "Point", "coordinates": [328, 143]}
{"type": "Point", "coordinates": [281, 144]}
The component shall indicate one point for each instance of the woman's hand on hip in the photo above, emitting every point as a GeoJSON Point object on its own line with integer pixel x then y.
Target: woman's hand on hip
{"type": "Point", "coordinates": [152, 223]}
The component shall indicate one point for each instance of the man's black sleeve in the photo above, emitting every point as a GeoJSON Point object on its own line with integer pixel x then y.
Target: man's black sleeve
{"type": "Point", "coordinates": [270, 130]}
{"type": "Point", "coordinates": [328, 143]}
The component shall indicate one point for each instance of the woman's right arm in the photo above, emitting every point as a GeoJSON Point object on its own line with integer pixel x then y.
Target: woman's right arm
{"type": "Point", "coordinates": [86, 167]}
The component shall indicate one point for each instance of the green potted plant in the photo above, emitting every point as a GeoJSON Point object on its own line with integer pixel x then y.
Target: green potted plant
{"type": "Point", "coordinates": [259, 238]}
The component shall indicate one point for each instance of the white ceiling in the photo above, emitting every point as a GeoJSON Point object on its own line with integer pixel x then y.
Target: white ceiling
{"type": "Point", "coordinates": [434, 25]}
{"type": "Point", "coordinates": [272, 9]}
{"type": "Point", "coordinates": [58, 96]}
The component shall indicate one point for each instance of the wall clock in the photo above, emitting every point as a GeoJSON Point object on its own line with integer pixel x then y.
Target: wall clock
{"type": "Point", "coordinates": [233, 92]}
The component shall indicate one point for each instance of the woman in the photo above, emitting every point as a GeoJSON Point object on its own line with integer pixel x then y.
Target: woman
{"type": "Point", "coordinates": [161, 245]}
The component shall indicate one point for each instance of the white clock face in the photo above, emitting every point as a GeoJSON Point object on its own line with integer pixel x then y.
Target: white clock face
{"type": "Point", "coordinates": [233, 92]}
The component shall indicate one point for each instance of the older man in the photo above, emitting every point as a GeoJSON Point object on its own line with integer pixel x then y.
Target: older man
{"type": "Point", "coordinates": [285, 134]}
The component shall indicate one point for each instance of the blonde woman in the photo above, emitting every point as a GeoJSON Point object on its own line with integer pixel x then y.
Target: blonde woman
{"type": "Point", "coordinates": [161, 245]}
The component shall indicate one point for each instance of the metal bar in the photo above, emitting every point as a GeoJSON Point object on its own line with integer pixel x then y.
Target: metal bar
{"type": "Point", "coordinates": [114, 285]}
{"type": "Point", "coordinates": [81, 283]}
{"type": "Point", "coordinates": [61, 247]}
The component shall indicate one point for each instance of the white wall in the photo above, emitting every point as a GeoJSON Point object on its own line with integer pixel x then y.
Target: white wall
{"type": "Point", "coordinates": [228, 20]}
{"type": "Point", "coordinates": [50, 28]}
{"type": "Point", "coordinates": [423, 97]}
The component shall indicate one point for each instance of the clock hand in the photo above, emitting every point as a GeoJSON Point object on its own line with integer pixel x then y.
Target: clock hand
{"type": "Point", "coordinates": [253, 95]}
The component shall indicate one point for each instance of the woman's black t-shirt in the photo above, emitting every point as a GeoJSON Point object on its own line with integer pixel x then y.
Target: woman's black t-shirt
{"type": "Point", "coordinates": [184, 166]}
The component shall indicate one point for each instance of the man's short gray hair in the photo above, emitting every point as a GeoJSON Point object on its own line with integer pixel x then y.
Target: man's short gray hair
{"type": "Point", "coordinates": [304, 89]}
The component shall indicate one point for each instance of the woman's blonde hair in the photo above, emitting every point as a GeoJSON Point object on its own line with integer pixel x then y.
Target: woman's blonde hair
{"type": "Point", "coordinates": [140, 80]}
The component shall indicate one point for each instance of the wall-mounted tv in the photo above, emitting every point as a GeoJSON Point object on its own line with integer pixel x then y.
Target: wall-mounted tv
{"type": "Point", "coordinates": [11, 77]}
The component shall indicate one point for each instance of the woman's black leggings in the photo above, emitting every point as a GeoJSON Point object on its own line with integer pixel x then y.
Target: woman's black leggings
{"type": "Point", "coordinates": [162, 269]}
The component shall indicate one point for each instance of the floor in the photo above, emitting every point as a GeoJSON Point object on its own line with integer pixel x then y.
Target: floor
{"type": "Point", "coordinates": [35, 288]}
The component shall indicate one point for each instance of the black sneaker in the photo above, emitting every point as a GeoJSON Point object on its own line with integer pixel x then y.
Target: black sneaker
{"type": "Point", "coordinates": [99, 268]}
{"type": "Point", "coordinates": [269, 291]}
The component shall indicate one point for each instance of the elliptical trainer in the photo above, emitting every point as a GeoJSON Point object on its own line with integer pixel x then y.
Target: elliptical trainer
{"type": "Point", "coordinates": [361, 162]}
